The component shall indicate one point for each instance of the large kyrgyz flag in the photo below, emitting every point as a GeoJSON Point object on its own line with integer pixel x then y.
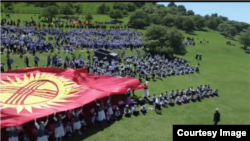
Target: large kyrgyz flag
{"type": "Point", "coordinates": [27, 94]}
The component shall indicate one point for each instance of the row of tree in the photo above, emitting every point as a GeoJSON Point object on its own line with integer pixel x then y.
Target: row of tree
{"type": "Point", "coordinates": [179, 17]}
{"type": "Point", "coordinates": [67, 9]}
{"type": "Point", "coordinates": [73, 6]}
{"type": "Point", "coordinates": [120, 9]}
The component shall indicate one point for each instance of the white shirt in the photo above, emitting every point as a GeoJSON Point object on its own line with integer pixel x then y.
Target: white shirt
{"type": "Point", "coordinates": [157, 100]}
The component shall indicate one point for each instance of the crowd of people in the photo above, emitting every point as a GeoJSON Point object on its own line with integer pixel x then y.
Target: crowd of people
{"type": "Point", "coordinates": [34, 39]}
{"type": "Point", "coordinates": [146, 67]}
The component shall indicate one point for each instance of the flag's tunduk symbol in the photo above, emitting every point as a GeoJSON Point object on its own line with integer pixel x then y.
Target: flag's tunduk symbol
{"type": "Point", "coordinates": [40, 90]}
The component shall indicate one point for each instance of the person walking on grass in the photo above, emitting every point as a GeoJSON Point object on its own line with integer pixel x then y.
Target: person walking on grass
{"type": "Point", "coordinates": [216, 116]}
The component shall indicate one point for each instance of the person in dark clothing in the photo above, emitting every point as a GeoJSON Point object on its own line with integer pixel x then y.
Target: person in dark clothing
{"type": "Point", "coordinates": [9, 63]}
{"type": "Point", "coordinates": [196, 57]}
{"type": "Point", "coordinates": [216, 116]}
{"type": "Point", "coordinates": [36, 59]}
{"type": "Point", "coordinates": [26, 61]}
{"type": "Point", "coordinates": [200, 57]}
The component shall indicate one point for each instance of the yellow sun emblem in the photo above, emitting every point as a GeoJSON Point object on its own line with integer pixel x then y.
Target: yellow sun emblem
{"type": "Point", "coordinates": [40, 90]}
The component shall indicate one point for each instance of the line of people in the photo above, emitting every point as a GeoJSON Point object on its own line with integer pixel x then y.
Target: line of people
{"type": "Point", "coordinates": [179, 96]}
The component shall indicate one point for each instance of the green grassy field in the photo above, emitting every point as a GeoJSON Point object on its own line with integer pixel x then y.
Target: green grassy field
{"type": "Point", "coordinates": [223, 67]}
{"type": "Point", "coordinates": [27, 17]}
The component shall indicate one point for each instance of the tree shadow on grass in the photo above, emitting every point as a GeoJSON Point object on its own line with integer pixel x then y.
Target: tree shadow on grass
{"type": "Point", "coordinates": [227, 37]}
{"type": "Point", "coordinates": [246, 49]}
{"type": "Point", "coordinates": [203, 30]}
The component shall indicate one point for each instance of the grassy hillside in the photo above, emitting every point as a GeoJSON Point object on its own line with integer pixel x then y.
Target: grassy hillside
{"type": "Point", "coordinates": [223, 67]}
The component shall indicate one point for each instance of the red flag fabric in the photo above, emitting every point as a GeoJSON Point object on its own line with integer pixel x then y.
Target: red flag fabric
{"type": "Point", "coordinates": [27, 94]}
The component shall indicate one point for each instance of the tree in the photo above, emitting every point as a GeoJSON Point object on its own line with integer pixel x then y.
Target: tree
{"type": "Point", "coordinates": [140, 19]}
{"type": "Point", "coordinates": [172, 5]}
{"type": "Point", "coordinates": [227, 30]}
{"type": "Point", "coordinates": [2, 8]}
{"type": "Point", "coordinates": [8, 5]}
{"type": "Point", "coordinates": [168, 20]}
{"type": "Point", "coordinates": [161, 12]}
{"type": "Point", "coordinates": [178, 21]}
{"type": "Point", "coordinates": [181, 9]}
{"type": "Point", "coordinates": [245, 25]}
{"type": "Point", "coordinates": [239, 27]}
{"type": "Point", "coordinates": [67, 9]}
{"type": "Point", "coordinates": [78, 7]}
{"type": "Point", "coordinates": [214, 15]}
{"type": "Point", "coordinates": [149, 9]}
{"type": "Point", "coordinates": [155, 37]}
{"type": "Point", "coordinates": [88, 17]}
{"type": "Point", "coordinates": [199, 21]}
{"type": "Point", "coordinates": [175, 41]}
{"type": "Point", "coordinates": [139, 14]}
{"type": "Point", "coordinates": [131, 7]}
{"type": "Point", "coordinates": [160, 39]}
{"type": "Point", "coordinates": [50, 12]}
{"type": "Point", "coordinates": [140, 23]}
{"type": "Point", "coordinates": [120, 6]}
{"type": "Point", "coordinates": [244, 39]}
{"type": "Point", "coordinates": [103, 9]}
{"type": "Point", "coordinates": [218, 20]}
{"type": "Point", "coordinates": [124, 12]}
{"type": "Point", "coordinates": [139, 4]}
{"type": "Point", "coordinates": [211, 23]}
{"type": "Point", "coordinates": [115, 14]}
{"type": "Point", "coordinates": [206, 17]}
{"type": "Point", "coordinates": [160, 6]}
{"type": "Point", "coordinates": [155, 18]}
{"type": "Point", "coordinates": [190, 13]}
{"type": "Point", "coordinates": [223, 18]}
{"type": "Point", "coordinates": [188, 24]}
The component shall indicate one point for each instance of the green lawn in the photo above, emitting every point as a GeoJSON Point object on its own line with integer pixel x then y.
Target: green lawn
{"type": "Point", "coordinates": [223, 67]}
{"type": "Point", "coordinates": [27, 17]}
